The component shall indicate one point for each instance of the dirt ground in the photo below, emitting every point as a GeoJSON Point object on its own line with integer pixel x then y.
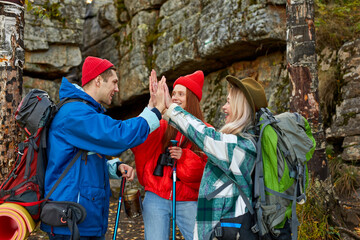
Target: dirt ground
{"type": "Point", "coordinates": [128, 229]}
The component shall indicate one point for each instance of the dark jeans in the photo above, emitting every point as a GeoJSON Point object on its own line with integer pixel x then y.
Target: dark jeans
{"type": "Point", "coordinates": [67, 237]}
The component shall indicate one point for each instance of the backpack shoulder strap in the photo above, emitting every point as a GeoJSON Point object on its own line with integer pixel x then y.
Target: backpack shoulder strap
{"type": "Point", "coordinates": [242, 194]}
{"type": "Point", "coordinates": [68, 100]}
{"type": "Point", "coordinates": [265, 118]}
{"type": "Point", "coordinates": [77, 155]}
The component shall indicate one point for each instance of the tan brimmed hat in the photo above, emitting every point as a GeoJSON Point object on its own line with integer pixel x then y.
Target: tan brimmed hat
{"type": "Point", "coordinates": [253, 90]}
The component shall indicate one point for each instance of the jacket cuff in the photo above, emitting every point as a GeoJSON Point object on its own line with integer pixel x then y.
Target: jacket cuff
{"type": "Point", "coordinates": [157, 112]}
{"type": "Point", "coordinates": [113, 165]}
{"type": "Point", "coordinates": [117, 169]}
{"type": "Point", "coordinates": [168, 112]}
{"type": "Point", "coordinates": [151, 118]}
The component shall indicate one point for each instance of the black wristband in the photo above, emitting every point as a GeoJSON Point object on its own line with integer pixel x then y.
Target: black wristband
{"type": "Point", "coordinates": [117, 169]}
{"type": "Point", "coordinates": [157, 112]}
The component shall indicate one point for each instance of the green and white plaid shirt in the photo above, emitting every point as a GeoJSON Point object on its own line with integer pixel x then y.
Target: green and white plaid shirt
{"type": "Point", "coordinates": [228, 156]}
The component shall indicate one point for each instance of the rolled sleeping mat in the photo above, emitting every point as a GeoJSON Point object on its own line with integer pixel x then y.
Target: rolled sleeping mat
{"type": "Point", "coordinates": [15, 222]}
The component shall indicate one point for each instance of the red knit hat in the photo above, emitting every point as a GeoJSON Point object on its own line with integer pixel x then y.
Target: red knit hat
{"type": "Point", "coordinates": [194, 82]}
{"type": "Point", "coordinates": [93, 67]}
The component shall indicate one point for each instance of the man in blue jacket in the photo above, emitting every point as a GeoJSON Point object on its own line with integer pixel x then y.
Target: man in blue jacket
{"type": "Point", "coordinates": [83, 125]}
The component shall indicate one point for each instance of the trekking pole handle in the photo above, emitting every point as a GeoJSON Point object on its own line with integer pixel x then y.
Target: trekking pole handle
{"type": "Point", "coordinates": [174, 142]}
{"type": "Point", "coordinates": [122, 187]}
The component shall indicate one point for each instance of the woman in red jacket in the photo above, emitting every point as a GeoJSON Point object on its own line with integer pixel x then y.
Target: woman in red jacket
{"type": "Point", "coordinates": [157, 204]}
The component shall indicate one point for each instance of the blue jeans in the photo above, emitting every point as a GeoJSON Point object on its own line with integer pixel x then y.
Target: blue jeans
{"type": "Point", "coordinates": [67, 237]}
{"type": "Point", "coordinates": [157, 212]}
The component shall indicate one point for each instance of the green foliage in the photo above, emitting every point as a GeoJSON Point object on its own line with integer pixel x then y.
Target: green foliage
{"type": "Point", "coordinates": [347, 180]}
{"type": "Point", "coordinates": [315, 215]}
{"type": "Point", "coordinates": [345, 177]}
{"type": "Point", "coordinates": [120, 6]}
{"type": "Point", "coordinates": [47, 10]}
{"type": "Point", "coordinates": [347, 117]}
{"type": "Point", "coordinates": [330, 84]}
{"type": "Point", "coordinates": [153, 35]}
{"type": "Point", "coordinates": [151, 39]}
{"type": "Point", "coordinates": [321, 206]}
{"type": "Point", "coordinates": [336, 21]}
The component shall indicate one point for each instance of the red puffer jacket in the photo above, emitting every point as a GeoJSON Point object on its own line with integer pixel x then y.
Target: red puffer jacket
{"type": "Point", "coordinates": [189, 168]}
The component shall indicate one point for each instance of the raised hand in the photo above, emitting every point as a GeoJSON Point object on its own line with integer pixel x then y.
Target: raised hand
{"type": "Point", "coordinates": [153, 86]}
{"type": "Point", "coordinates": [167, 97]}
{"type": "Point", "coordinates": [160, 95]}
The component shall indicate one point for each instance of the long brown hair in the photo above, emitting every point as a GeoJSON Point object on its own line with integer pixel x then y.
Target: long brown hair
{"type": "Point", "coordinates": [193, 107]}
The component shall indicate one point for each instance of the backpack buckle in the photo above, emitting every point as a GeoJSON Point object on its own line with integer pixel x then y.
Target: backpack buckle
{"type": "Point", "coordinates": [218, 231]}
{"type": "Point", "coordinates": [292, 174]}
{"type": "Point", "coordinates": [255, 228]}
{"type": "Point", "coordinates": [301, 199]}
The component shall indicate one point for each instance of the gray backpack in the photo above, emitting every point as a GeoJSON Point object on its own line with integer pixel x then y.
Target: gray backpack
{"type": "Point", "coordinates": [285, 144]}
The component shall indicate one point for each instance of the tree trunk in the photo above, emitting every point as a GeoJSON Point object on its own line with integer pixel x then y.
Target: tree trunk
{"type": "Point", "coordinates": [11, 68]}
{"type": "Point", "coordinates": [301, 64]}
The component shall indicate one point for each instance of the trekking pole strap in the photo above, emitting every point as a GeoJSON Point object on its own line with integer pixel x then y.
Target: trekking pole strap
{"type": "Point", "coordinates": [65, 172]}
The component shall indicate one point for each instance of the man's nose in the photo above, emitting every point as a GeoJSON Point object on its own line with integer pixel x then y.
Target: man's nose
{"type": "Point", "coordinates": [116, 88]}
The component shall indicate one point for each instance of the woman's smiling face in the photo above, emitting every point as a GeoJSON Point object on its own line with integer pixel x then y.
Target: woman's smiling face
{"type": "Point", "coordinates": [227, 109]}
{"type": "Point", "coordinates": [179, 95]}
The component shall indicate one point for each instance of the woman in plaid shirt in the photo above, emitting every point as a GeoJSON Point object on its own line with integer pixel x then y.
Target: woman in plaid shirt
{"type": "Point", "coordinates": [231, 157]}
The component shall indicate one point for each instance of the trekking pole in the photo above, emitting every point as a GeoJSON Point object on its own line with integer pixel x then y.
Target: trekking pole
{"type": "Point", "coordinates": [174, 142]}
{"type": "Point", "coordinates": [122, 187]}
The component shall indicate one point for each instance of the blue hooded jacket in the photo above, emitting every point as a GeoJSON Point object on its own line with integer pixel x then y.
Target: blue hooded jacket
{"type": "Point", "coordinates": [79, 125]}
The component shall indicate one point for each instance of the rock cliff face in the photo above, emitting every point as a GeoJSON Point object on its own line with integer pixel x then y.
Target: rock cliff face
{"type": "Point", "coordinates": [52, 44]}
{"type": "Point", "coordinates": [345, 128]}
{"type": "Point", "coordinates": [177, 37]}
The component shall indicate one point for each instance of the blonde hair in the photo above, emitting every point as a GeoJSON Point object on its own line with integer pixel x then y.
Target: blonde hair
{"type": "Point", "coordinates": [242, 113]}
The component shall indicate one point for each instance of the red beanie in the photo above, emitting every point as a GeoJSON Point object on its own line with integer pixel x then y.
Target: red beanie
{"type": "Point", "coordinates": [93, 67]}
{"type": "Point", "coordinates": [194, 82]}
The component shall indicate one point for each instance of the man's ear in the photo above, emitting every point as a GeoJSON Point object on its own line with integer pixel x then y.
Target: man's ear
{"type": "Point", "coordinates": [97, 81]}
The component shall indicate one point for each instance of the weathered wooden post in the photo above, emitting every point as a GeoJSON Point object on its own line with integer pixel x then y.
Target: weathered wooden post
{"type": "Point", "coordinates": [302, 67]}
{"type": "Point", "coordinates": [11, 69]}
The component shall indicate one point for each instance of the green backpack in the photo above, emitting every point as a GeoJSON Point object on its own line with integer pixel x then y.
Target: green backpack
{"type": "Point", "coordinates": [284, 146]}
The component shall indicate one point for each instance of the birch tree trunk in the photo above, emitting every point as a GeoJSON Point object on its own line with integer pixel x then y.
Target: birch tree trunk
{"type": "Point", "coordinates": [302, 67]}
{"type": "Point", "coordinates": [11, 68]}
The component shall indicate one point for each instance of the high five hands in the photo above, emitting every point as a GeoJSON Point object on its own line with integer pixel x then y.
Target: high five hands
{"type": "Point", "coordinates": [159, 97]}
{"type": "Point", "coordinates": [159, 93]}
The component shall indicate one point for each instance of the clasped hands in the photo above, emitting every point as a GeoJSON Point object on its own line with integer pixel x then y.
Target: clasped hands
{"type": "Point", "coordinates": [159, 93]}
